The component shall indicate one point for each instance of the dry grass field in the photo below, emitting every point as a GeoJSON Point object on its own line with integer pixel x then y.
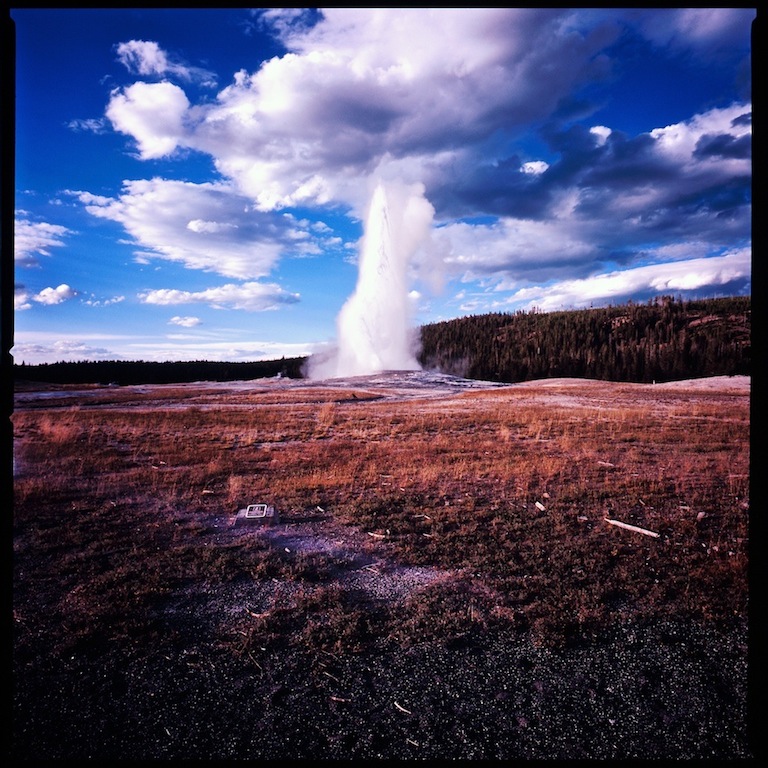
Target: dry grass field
{"type": "Point", "coordinates": [444, 581]}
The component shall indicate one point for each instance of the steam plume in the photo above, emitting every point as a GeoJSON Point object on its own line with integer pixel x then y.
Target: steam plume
{"type": "Point", "coordinates": [374, 325]}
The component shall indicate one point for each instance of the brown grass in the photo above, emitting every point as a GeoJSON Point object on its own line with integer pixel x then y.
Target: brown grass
{"type": "Point", "coordinates": [120, 498]}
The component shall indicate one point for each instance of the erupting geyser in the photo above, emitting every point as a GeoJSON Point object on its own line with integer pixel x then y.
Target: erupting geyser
{"type": "Point", "coordinates": [374, 329]}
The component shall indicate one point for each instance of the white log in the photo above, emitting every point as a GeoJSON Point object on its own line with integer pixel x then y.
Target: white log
{"type": "Point", "coordinates": [635, 528]}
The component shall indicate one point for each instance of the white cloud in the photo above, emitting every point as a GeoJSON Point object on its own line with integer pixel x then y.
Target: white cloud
{"type": "Point", "coordinates": [21, 298]}
{"type": "Point", "coordinates": [145, 57]}
{"type": "Point", "coordinates": [50, 296]}
{"type": "Point", "coordinates": [679, 141]}
{"type": "Point", "coordinates": [601, 132]}
{"type": "Point", "coordinates": [618, 205]}
{"type": "Point", "coordinates": [198, 225]}
{"type": "Point", "coordinates": [355, 94]}
{"type": "Point", "coordinates": [174, 348]}
{"type": "Point", "coordinates": [534, 167]}
{"type": "Point", "coordinates": [202, 226]}
{"type": "Point", "coordinates": [142, 57]}
{"type": "Point", "coordinates": [185, 322]}
{"type": "Point", "coordinates": [153, 114]}
{"type": "Point", "coordinates": [518, 246]}
{"type": "Point", "coordinates": [354, 98]}
{"type": "Point", "coordinates": [667, 278]}
{"type": "Point", "coordinates": [36, 237]}
{"type": "Point", "coordinates": [253, 297]}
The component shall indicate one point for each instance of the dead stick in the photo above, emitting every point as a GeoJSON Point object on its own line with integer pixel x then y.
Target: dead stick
{"type": "Point", "coordinates": [635, 528]}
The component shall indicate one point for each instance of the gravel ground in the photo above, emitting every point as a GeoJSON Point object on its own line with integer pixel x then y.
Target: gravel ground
{"type": "Point", "coordinates": [670, 691]}
{"type": "Point", "coordinates": [664, 691]}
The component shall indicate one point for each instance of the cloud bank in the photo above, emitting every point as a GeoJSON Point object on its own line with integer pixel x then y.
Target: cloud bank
{"type": "Point", "coordinates": [353, 98]}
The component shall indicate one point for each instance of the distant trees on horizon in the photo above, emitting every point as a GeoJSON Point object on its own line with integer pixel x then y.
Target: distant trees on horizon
{"type": "Point", "coordinates": [665, 339]}
{"type": "Point", "coordinates": [147, 372]}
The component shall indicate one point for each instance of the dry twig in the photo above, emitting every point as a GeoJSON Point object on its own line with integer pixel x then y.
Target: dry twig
{"type": "Point", "coordinates": [635, 528]}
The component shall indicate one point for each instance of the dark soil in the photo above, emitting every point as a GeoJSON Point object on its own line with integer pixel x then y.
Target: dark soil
{"type": "Point", "coordinates": [670, 691]}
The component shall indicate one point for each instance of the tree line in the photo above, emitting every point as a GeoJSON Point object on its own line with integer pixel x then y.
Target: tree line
{"type": "Point", "coordinates": [665, 339]}
{"type": "Point", "coordinates": [662, 340]}
{"type": "Point", "coordinates": [149, 372]}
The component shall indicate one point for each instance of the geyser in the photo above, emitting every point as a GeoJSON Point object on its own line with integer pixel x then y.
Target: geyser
{"type": "Point", "coordinates": [374, 325]}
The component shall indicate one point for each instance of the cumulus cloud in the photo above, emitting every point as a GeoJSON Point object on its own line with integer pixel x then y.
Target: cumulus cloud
{"type": "Point", "coordinates": [23, 297]}
{"type": "Point", "coordinates": [355, 95]}
{"type": "Point", "coordinates": [252, 297]}
{"type": "Point", "coordinates": [202, 226]}
{"type": "Point", "coordinates": [199, 225]}
{"type": "Point", "coordinates": [354, 98]}
{"type": "Point", "coordinates": [153, 114]}
{"type": "Point", "coordinates": [56, 295]}
{"type": "Point", "coordinates": [608, 197]}
{"type": "Point", "coordinates": [355, 92]}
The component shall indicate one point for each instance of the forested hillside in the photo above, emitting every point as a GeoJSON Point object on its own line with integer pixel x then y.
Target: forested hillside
{"type": "Point", "coordinates": [663, 340]}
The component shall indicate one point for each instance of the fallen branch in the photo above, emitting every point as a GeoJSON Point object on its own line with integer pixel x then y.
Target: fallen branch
{"type": "Point", "coordinates": [635, 528]}
{"type": "Point", "coordinates": [540, 506]}
{"type": "Point", "coordinates": [403, 709]}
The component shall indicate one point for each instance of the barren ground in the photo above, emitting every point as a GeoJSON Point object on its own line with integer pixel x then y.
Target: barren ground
{"type": "Point", "coordinates": [665, 688]}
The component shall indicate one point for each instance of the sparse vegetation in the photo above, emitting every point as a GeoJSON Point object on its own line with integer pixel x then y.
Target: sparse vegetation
{"type": "Point", "coordinates": [123, 500]}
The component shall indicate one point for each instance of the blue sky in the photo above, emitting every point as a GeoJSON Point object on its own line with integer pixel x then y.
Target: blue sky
{"type": "Point", "coordinates": [192, 184]}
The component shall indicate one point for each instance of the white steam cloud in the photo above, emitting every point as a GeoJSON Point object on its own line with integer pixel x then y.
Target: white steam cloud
{"type": "Point", "coordinates": [374, 325]}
